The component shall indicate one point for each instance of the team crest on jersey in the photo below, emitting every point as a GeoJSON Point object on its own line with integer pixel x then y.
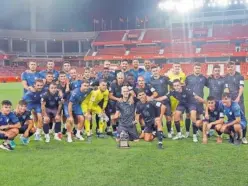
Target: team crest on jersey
{"type": "Point", "coordinates": [184, 96]}
{"type": "Point", "coordinates": [230, 113]}
{"type": "Point", "coordinates": [147, 106]}
{"type": "Point", "coordinates": [215, 113]}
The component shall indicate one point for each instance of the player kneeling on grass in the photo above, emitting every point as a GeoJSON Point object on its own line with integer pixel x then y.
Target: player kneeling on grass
{"type": "Point", "coordinates": [125, 113]}
{"type": "Point", "coordinates": [25, 118]}
{"type": "Point", "coordinates": [51, 105]}
{"type": "Point", "coordinates": [214, 119]}
{"type": "Point", "coordinates": [9, 125]}
{"type": "Point", "coordinates": [152, 113]}
{"type": "Point", "coordinates": [236, 121]}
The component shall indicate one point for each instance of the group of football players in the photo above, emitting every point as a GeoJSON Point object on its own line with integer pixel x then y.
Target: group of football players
{"type": "Point", "coordinates": [67, 103]}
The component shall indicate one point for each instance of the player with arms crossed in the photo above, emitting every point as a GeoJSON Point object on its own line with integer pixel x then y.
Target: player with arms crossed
{"type": "Point", "coordinates": [27, 128]}
{"type": "Point", "coordinates": [152, 113]}
{"type": "Point", "coordinates": [214, 119]}
{"type": "Point", "coordinates": [125, 113]}
{"type": "Point", "coordinates": [9, 126]}
{"type": "Point", "coordinates": [51, 105]}
{"type": "Point", "coordinates": [236, 121]}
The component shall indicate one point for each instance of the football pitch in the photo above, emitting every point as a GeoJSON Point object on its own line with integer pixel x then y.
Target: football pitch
{"type": "Point", "coordinates": [102, 163]}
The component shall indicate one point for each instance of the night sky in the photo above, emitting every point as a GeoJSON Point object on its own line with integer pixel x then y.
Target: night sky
{"type": "Point", "coordinates": [78, 15]}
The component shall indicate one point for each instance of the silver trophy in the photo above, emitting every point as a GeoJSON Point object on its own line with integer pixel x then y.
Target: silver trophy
{"type": "Point", "coordinates": [124, 138]}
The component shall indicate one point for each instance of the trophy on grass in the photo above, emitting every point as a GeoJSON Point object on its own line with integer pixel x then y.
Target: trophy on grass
{"type": "Point", "coordinates": [124, 138]}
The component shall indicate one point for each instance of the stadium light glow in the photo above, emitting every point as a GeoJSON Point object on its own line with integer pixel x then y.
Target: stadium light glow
{"type": "Point", "coordinates": [223, 3]}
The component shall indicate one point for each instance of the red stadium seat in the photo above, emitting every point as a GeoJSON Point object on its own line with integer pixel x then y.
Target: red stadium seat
{"type": "Point", "coordinates": [144, 50]}
{"type": "Point", "coordinates": [217, 47]}
{"type": "Point", "coordinates": [110, 36]}
{"type": "Point", "coordinates": [111, 51]}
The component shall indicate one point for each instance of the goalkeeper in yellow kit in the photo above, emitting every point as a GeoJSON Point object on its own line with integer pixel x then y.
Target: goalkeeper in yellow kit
{"type": "Point", "coordinates": [95, 104]}
{"type": "Point", "coordinates": [175, 73]}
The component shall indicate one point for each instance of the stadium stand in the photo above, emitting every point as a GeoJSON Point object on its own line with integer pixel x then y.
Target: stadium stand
{"type": "Point", "coordinates": [217, 47]}
{"type": "Point", "coordinates": [144, 50]}
{"type": "Point", "coordinates": [183, 48]}
{"type": "Point", "coordinates": [110, 36]}
{"type": "Point", "coordinates": [111, 51]}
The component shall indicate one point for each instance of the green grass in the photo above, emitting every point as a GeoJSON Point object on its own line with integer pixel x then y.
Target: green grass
{"type": "Point", "coordinates": [101, 163]}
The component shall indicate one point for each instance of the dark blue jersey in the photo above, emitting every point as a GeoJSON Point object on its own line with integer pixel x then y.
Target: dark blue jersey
{"type": "Point", "coordinates": [33, 97]}
{"type": "Point", "coordinates": [66, 95]}
{"type": "Point", "coordinates": [233, 112]}
{"type": "Point", "coordinates": [184, 97]}
{"type": "Point", "coordinates": [149, 90]}
{"type": "Point", "coordinates": [77, 97]}
{"type": "Point", "coordinates": [46, 87]}
{"type": "Point", "coordinates": [233, 83]}
{"type": "Point", "coordinates": [43, 74]}
{"type": "Point", "coordinates": [75, 84]}
{"type": "Point", "coordinates": [30, 77]}
{"type": "Point", "coordinates": [216, 87]}
{"type": "Point", "coordinates": [148, 110]}
{"type": "Point", "coordinates": [196, 84]}
{"type": "Point", "coordinates": [52, 101]}
{"type": "Point", "coordinates": [160, 85]}
{"type": "Point", "coordinates": [115, 89]}
{"type": "Point", "coordinates": [10, 119]}
{"type": "Point", "coordinates": [217, 113]}
{"type": "Point", "coordinates": [23, 118]}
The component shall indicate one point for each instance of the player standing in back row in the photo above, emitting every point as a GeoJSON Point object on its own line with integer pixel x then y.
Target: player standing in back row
{"type": "Point", "coordinates": [195, 82]}
{"type": "Point", "coordinates": [234, 83]}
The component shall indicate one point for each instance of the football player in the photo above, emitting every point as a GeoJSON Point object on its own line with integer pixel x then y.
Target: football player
{"type": "Point", "coordinates": [214, 119]}
{"type": "Point", "coordinates": [152, 113]}
{"type": "Point", "coordinates": [236, 121]}
{"type": "Point", "coordinates": [234, 83]}
{"type": "Point", "coordinates": [50, 68]}
{"type": "Point", "coordinates": [33, 100]}
{"type": "Point", "coordinates": [9, 126]}
{"type": "Point", "coordinates": [51, 105]}
{"type": "Point", "coordinates": [75, 111]}
{"type": "Point", "coordinates": [29, 76]}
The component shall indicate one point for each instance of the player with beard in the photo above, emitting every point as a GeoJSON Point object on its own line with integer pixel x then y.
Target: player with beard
{"type": "Point", "coordinates": [51, 105]}
{"type": "Point", "coordinates": [125, 113]}
{"type": "Point", "coordinates": [33, 100]}
{"type": "Point", "coordinates": [115, 95]}
{"type": "Point", "coordinates": [75, 111]}
{"type": "Point", "coordinates": [50, 68]}
{"type": "Point", "coordinates": [216, 83]}
{"type": "Point", "coordinates": [27, 128]}
{"type": "Point", "coordinates": [161, 84]}
{"type": "Point", "coordinates": [196, 83]}
{"type": "Point", "coordinates": [188, 101]}
{"type": "Point", "coordinates": [124, 68]}
{"type": "Point", "coordinates": [9, 126]}
{"type": "Point", "coordinates": [147, 74]}
{"type": "Point", "coordinates": [29, 76]}
{"type": "Point", "coordinates": [234, 83]}
{"type": "Point", "coordinates": [152, 112]}
{"type": "Point", "coordinates": [136, 71]}
{"type": "Point", "coordinates": [214, 119]}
